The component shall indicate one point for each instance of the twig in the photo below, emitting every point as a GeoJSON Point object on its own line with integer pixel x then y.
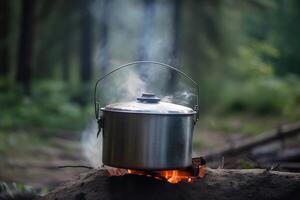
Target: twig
{"type": "Point", "coordinates": [75, 166]}
{"type": "Point", "coordinates": [272, 168]}
{"type": "Point", "coordinates": [222, 164]}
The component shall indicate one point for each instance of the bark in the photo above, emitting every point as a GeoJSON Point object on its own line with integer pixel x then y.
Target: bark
{"type": "Point", "coordinates": [217, 184]}
{"type": "Point", "coordinates": [147, 30]}
{"type": "Point", "coordinates": [66, 58]}
{"type": "Point", "coordinates": [192, 30]}
{"type": "Point", "coordinates": [86, 43]}
{"type": "Point", "coordinates": [4, 34]}
{"type": "Point", "coordinates": [234, 149]}
{"type": "Point", "coordinates": [24, 67]}
{"type": "Point", "coordinates": [175, 43]}
{"type": "Point", "coordinates": [104, 61]}
{"type": "Point", "coordinates": [68, 33]}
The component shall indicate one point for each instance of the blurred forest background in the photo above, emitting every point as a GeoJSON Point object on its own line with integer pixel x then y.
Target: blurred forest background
{"type": "Point", "coordinates": [243, 54]}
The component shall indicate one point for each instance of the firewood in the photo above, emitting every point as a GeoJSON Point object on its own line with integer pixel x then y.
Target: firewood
{"type": "Point", "coordinates": [240, 147]}
{"type": "Point", "coordinates": [217, 184]}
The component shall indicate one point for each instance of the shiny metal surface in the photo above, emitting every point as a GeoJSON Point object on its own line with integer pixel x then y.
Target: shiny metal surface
{"type": "Point", "coordinates": [147, 134]}
{"type": "Point", "coordinates": [150, 108]}
{"type": "Point", "coordinates": [138, 63]}
{"type": "Point", "coordinates": [147, 141]}
{"type": "Point", "coordinates": [148, 98]}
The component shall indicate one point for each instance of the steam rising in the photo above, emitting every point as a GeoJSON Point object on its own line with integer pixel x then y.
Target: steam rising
{"type": "Point", "coordinates": [92, 146]}
{"type": "Point", "coordinates": [180, 97]}
{"type": "Point", "coordinates": [134, 86]}
{"type": "Point", "coordinates": [124, 40]}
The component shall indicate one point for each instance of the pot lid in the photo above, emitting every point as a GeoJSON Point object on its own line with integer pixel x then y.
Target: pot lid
{"type": "Point", "coordinates": [150, 104]}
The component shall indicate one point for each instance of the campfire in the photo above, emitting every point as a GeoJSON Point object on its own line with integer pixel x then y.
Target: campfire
{"type": "Point", "coordinates": [149, 136]}
{"type": "Point", "coordinates": [197, 170]}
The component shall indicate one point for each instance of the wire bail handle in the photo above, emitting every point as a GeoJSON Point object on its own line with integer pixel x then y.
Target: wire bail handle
{"type": "Point", "coordinates": [97, 103]}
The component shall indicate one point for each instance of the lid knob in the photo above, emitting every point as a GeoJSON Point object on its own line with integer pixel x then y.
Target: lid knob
{"type": "Point", "coordinates": [148, 98]}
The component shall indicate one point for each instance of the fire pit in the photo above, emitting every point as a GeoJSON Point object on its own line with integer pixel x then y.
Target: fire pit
{"type": "Point", "coordinates": [196, 171]}
{"type": "Point", "coordinates": [217, 184]}
{"type": "Point", "coordinates": [144, 161]}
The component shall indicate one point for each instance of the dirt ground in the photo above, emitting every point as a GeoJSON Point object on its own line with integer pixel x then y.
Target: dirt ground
{"type": "Point", "coordinates": [32, 157]}
{"type": "Point", "coordinates": [36, 163]}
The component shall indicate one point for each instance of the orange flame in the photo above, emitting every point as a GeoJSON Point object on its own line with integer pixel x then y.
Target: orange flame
{"type": "Point", "coordinates": [172, 176]}
{"type": "Point", "coordinates": [175, 176]}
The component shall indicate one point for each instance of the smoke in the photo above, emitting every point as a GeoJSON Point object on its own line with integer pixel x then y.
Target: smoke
{"type": "Point", "coordinates": [91, 145]}
{"type": "Point", "coordinates": [181, 97]}
{"type": "Point", "coordinates": [134, 86]}
{"type": "Point", "coordinates": [130, 88]}
{"type": "Point", "coordinates": [131, 33]}
{"type": "Point", "coordinates": [123, 45]}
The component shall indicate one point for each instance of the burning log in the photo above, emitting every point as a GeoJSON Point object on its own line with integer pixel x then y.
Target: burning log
{"type": "Point", "coordinates": [217, 184]}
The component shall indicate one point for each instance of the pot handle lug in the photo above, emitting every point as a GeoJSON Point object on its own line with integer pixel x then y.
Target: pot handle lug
{"type": "Point", "coordinates": [99, 129]}
{"type": "Point", "coordinates": [97, 105]}
{"type": "Point", "coordinates": [100, 125]}
{"type": "Point", "coordinates": [99, 118]}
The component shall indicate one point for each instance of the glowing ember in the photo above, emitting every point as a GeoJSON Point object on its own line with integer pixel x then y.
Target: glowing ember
{"type": "Point", "coordinates": [112, 171]}
{"type": "Point", "coordinates": [175, 176]}
{"type": "Point", "coordinates": [197, 170]}
{"type": "Point", "coordinates": [172, 176]}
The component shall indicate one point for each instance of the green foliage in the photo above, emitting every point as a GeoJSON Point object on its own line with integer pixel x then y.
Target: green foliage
{"type": "Point", "coordinates": [49, 106]}
{"type": "Point", "coordinates": [261, 96]}
{"type": "Point", "coordinates": [245, 164]}
{"type": "Point", "coordinates": [230, 123]}
{"type": "Point", "coordinates": [3, 187]}
{"type": "Point", "coordinates": [20, 187]}
{"type": "Point", "coordinates": [285, 36]}
{"type": "Point", "coordinates": [240, 53]}
{"type": "Point", "coordinates": [251, 60]}
{"type": "Point", "coordinates": [254, 88]}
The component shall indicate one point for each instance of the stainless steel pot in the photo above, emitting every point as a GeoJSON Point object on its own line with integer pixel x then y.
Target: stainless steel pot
{"type": "Point", "coordinates": [147, 134]}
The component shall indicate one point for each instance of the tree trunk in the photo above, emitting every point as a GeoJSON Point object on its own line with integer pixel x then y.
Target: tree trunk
{"type": "Point", "coordinates": [24, 67]}
{"type": "Point", "coordinates": [175, 43]}
{"type": "Point", "coordinates": [66, 59]}
{"type": "Point", "coordinates": [4, 35]}
{"type": "Point", "coordinates": [67, 13]}
{"type": "Point", "coordinates": [217, 184]}
{"type": "Point", "coordinates": [104, 61]}
{"type": "Point", "coordinates": [147, 30]}
{"type": "Point", "coordinates": [86, 44]}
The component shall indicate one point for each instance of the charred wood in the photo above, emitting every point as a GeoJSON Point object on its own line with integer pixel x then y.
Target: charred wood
{"type": "Point", "coordinates": [217, 184]}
